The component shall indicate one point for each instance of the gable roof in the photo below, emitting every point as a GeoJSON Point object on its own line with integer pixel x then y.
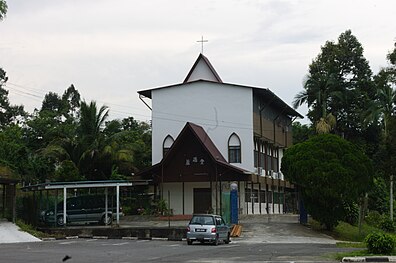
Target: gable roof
{"type": "Point", "coordinates": [205, 141]}
{"type": "Point", "coordinates": [206, 63]}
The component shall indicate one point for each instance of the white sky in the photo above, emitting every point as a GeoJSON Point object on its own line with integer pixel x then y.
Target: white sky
{"type": "Point", "coordinates": [111, 49]}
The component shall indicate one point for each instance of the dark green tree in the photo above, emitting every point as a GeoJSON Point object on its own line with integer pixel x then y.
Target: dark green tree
{"type": "Point", "coordinates": [339, 83]}
{"type": "Point", "coordinates": [331, 173]}
{"type": "Point", "coordinates": [3, 9]}
{"type": "Point", "coordinates": [380, 112]}
{"type": "Point", "coordinates": [301, 132]}
{"type": "Point", "coordinates": [8, 113]}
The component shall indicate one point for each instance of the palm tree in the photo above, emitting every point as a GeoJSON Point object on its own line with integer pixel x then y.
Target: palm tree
{"type": "Point", "coordinates": [317, 92]}
{"type": "Point", "coordinates": [381, 110]}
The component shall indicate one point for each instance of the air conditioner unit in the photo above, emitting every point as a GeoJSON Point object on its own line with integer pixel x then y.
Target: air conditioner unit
{"type": "Point", "coordinates": [260, 170]}
{"type": "Point", "coordinates": [281, 176]}
{"type": "Point", "coordinates": [275, 175]}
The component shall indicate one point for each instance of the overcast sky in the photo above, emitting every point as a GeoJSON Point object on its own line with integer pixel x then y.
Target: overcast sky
{"type": "Point", "coordinates": [111, 49]}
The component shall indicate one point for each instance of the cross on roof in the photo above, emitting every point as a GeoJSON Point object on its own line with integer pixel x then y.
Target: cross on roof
{"type": "Point", "coordinates": [202, 41]}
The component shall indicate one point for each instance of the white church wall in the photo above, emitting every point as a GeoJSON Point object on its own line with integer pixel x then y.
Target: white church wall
{"type": "Point", "coordinates": [176, 197]}
{"type": "Point", "coordinates": [202, 71]}
{"type": "Point", "coordinates": [220, 109]}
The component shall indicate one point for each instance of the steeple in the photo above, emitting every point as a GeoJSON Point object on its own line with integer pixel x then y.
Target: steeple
{"type": "Point", "coordinates": [202, 69]}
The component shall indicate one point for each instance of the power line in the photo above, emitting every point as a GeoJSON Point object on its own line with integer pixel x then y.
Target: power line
{"type": "Point", "coordinates": [204, 121]}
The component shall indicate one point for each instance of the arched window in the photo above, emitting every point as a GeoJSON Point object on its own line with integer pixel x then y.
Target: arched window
{"type": "Point", "coordinates": [167, 144]}
{"type": "Point", "coordinates": [234, 149]}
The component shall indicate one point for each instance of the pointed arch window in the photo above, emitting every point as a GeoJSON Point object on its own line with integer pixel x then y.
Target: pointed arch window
{"type": "Point", "coordinates": [234, 149]}
{"type": "Point", "coordinates": [168, 141]}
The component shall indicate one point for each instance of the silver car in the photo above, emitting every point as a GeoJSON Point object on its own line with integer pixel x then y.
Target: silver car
{"type": "Point", "coordinates": [208, 228]}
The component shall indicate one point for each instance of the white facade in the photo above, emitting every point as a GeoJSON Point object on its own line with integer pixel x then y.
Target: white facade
{"type": "Point", "coordinates": [220, 109]}
{"type": "Point", "coordinates": [226, 113]}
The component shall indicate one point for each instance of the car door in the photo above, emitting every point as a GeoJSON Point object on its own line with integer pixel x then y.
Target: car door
{"type": "Point", "coordinates": [221, 227]}
{"type": "Point", "coordinates": [95, 208]}
{"type": "Point", "coordinates": [74, 209]}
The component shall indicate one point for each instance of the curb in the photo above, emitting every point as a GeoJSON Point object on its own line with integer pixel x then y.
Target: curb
{"type": "Point", "coordinates": [370, 259]}
{"type": "Point", "coordinates": [106, 237]}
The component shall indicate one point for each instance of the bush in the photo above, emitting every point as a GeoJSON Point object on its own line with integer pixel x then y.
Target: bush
{"type": "Point", "coordinates": [374, 218]}
{"type": "Point", "coordinates": [387, 225]}
{"type": "Point", "coordinates": [351, 213]}
{"type": "Point", "coordinates": [379, 243]}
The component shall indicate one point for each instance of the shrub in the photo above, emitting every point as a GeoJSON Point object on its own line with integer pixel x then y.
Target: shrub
{"type": "Point", "coordinates": [387, 225]}
{"type": "Point", "coordinates": [351, 213]}
{"type": "Point", "coordinates": [374, 218]}
{"type": "Point", "coordinates": [379, 243]}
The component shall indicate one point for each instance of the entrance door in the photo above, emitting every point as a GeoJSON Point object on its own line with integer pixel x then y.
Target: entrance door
{"type": "Point", "coordinates": [202, 200]}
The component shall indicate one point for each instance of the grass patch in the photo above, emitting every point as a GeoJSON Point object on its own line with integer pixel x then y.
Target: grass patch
{"type": "Point", "coordinates": [356, 253]}
{"type": "Point", "coordinates": [346, 232]}
{"type": "Point", "coordinates": [31, 230]}
{"type": "Point", "coordinates": [351, 244]}
{"type": "Point", "coordinates": [352, 237]}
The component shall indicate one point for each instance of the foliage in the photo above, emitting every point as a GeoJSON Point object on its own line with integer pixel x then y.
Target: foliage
{"type": "Point", "coordinates": [379, 243]}
{"type": "Point", "coordinates": [378, 196]}
{"type": "Point", "coordinates": [338, 83]}
{"type": "Point", "coordinates": [68, 172]}
{"type": "Point", "coordinates": [30, 229]}
{"type": "Point", "coordinates": [330, 172]}
{"type": "Point", "coordinates": [387, 225]}
{"type": "Point", "coordinates": [3, 9]}
{"type": "Point", "coordinates": [301, 132]}
{"type": "Point", "coordinates": [351, 213]}
{"type": "Point", "coordinates": [9, 114]}
{"type": "Point", "coordinates": [374, 218]}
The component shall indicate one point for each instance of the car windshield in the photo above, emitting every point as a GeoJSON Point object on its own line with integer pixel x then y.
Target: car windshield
{"type": "Point", "coordinates": [202, 220]}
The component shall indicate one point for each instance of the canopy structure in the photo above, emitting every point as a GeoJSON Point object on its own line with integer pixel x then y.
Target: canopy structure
{"type": "Point", "coordinates": [87, 184]}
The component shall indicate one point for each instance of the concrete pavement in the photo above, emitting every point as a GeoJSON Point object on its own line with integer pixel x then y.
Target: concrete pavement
{"type": "Point", "coordinates": [10, 233]}
{"type": "Point", "coordinates": [283, 228]}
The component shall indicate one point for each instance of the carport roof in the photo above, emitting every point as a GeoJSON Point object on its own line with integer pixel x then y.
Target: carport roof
{"type": "Point", "coordinates": [83, 184]}
{"type": "Point", "coordinates": [8, 181]}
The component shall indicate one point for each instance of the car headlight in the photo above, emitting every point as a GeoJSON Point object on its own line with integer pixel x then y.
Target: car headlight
{"type": "Point", "coordinates": [50, 213]}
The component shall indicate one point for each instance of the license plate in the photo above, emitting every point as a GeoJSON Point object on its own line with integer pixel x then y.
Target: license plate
{"type": "Point", "coordinates": [200, 230]}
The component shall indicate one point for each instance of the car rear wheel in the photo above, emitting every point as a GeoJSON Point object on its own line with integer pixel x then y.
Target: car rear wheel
{"type": "Point", "coordinates": [108, 221]}
{"type": "Point", "coordinates": [227, 241]}
{"type": "Point", "coordinates": [189, 242]}
{"type": "Point", "coordinates": [216, 242]}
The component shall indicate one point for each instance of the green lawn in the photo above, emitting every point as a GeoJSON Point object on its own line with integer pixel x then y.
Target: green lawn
{"type": "Point", "coordinates": [350, 236]}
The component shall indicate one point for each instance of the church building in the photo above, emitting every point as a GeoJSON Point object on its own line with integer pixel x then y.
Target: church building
{"type": "Point", "coordinates": [207, 134]}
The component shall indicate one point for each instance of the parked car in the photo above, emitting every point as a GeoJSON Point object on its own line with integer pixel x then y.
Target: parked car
{"type": "Point", "coordinates": [86, 208]}
{"type": "Point", "coordinates": [208, 228]}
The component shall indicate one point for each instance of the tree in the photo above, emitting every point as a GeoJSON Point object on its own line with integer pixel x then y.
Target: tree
{"type": "Point", "coordinates": [3, 9]}
{"type": "Point", "coordinates": [338, 83]}
{"type": "Point", "coordinates": [301, 132]}
{"type": "Point", "coordinates": [8, 113]}
{"type": "Point", "coordinates": [332, 174]}
{"type": "Point", "coordinates": [381, 111]}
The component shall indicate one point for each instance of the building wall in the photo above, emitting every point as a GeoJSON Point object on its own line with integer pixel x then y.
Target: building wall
{"type": "Point", "coordinates": [202, 71]}
{"type": "Point", "coordinates": [220, 109]}
{"type": "Point", "coordinates": [176, 198]}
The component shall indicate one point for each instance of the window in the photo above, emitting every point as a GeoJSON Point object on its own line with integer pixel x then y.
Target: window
{"type": "Point", "coordinates": [167, 144]}
{"type": "Point", "coordinates": [262, 196]}
{"type": "Point", "coordinates": [234, 149]}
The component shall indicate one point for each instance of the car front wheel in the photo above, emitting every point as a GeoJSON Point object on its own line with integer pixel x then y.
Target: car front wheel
{"type": "Point", "coordinates": [189, 242]}
{"type": "Point", "coordinates": [59, 221]}
{"type": "Point", "coordinates": [107, 221]}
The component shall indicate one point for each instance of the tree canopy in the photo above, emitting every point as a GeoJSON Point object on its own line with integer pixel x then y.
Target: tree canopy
{"type": "Point", "coordinates": [338, 84]}
{"type": "Point", "coordinates": [331, 174]}
{"type": "Point", "coordinates": [3, 9]}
